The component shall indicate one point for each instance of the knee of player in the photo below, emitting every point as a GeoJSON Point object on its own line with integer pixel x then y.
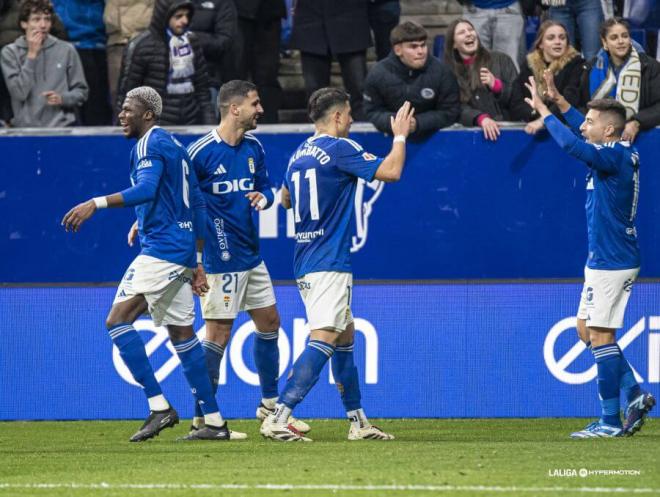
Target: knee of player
{"type": "Point", "coordinates": [273, 322]}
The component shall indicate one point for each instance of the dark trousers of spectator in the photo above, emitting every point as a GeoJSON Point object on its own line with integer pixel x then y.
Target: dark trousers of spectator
{"type": "Point", "coordinates": [316, 73]}
{"type": "Point", "coordinates": [259, 61]}
{"type": "Point", "coordinates": [96, 110]}
{"type": "Point", "coordinates": [383, 17]}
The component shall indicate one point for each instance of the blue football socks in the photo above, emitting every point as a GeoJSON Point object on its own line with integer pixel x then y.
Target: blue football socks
{"type": "Point", "coordinates": [346, 377]}
{"type": "Point", "coordinates": [213, 353]}
{"type": "Point", "coordinates": [627, 381]}
{"type": "Point", "coordinates": [193, 362]}
{"type": "Point", "coordinates": [305, 372]}
{"type": "Point", "coordinates": [608, 361]}
{"type": "Point", "coordinates": [267, 359]}
{"type": "Point", "coordinates": [132, 352]}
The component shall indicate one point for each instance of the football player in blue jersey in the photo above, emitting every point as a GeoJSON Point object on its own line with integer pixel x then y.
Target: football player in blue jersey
{"type": "Point", "coordinates": [230, 165]}
{"type": "Point", "coordinates": [320, 187]}
{"type": "Point", "coordinates": [171, 214]}
{"type": "Point", "coordinates": [613, 260]}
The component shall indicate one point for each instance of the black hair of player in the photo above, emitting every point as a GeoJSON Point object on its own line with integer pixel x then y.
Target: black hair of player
{"type": "Point", "coordinates": [34, 7]}
{"type": "Point", "coordinates": [324, 99]}
{"type": "Point", "coordinates": [408, 31]}
{"type": "Point", "coordinates": [232, 90]}
{"type": "Point", "coordinates": [614, 109]}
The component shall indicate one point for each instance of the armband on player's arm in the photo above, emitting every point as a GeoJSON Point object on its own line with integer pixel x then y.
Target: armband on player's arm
{"type": "Point", "coordinates": [114, 200]}
{"type": "Point", "coordinates": [268, 198]}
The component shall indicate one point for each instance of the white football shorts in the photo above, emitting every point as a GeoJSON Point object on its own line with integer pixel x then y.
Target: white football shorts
{"type": "Point", "coordinates": [231, 293]}
{"type": "Point", "coordinates": [327, 297]}
{"type": "Point", "coordinates": [167, 287]}
{"type": "Point", "coordinates": [605, 296]}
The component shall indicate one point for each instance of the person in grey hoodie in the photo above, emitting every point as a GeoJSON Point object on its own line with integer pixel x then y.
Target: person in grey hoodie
{"type": "Point", "coordinates": [44, 74]}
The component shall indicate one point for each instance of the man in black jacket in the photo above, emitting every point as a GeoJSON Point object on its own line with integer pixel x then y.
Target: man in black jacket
{"type": "Point", "coordinates": [410, 73]}
{"type": "Point", "coordinates": [323, 29]}
{"type": "Point", "coordinates": [258, 50]}
{"type": "Point", "coordinates": [169, 58]}
{"type": "Point", "coordinates": [215, 25]}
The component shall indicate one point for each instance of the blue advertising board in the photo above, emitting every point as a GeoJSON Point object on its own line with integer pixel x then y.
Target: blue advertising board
{"type": "Point", "coordinates": [465, 208]}
{"type": "Point", "coordinates": [436, 350]}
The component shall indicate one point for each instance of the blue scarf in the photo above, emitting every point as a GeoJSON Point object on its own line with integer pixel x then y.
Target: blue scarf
{"type": "Point", "coordinates": [624, 86]}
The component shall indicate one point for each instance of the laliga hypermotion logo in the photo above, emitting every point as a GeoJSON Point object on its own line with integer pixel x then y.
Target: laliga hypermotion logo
{"type": "Point", "coordinates": [558, 366]}
{"type": "Point", "coordinates": [234, 356]}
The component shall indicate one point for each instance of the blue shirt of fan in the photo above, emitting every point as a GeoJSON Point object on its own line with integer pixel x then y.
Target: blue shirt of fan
{"type": "Point", "coordinates": [322, 178]}
{"type": "Point", "coordinates": [612, 194]}
{"type": "Point", "coordinates": [226, 174]}
{"type": "Point", "coordinates": [165, 224]}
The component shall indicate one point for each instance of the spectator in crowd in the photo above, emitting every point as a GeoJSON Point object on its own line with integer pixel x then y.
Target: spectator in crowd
{"type": "Point", "coordinates": [500, 25]}
{"type": "Point", "coordinates": [383, 17]}
{"type": "Point", "coordinates": [620, 71]}
{"type": "Point", "coordinates": [484, 78]}
{"type": "Point", "coordinates": [409, 73]}
{"type": "Point", "coordinates": [258, 50]}
{"type": "Point", "coordinates": [215, 24]}
{"type": "Point", "coordinates": [43, 74]}
{"type": "Point", "coordinates": [10, 30]}
{"type": "Point", "coordinates": [168, 57]}
{"type": "Point", "coordinates": [551, 51]}
{"type": "Point", "coordinates": [323, 29]}
{"type": "Point", "coordinates": [84, 23]}
{"type": "Point", "coordinates": [582, 19]}
{"type": "Point", "coordinates": [124, 19]}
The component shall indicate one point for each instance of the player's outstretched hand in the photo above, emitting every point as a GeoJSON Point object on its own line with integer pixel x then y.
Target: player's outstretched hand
{"type": "Point", "coordinates": [402, 123]}
{"type": "Point", "coordinates": [257, 200]}
{"type": "Point", "coordinates": [534, 101]}
{"type": "Point", "coordinates": [132, 234]}
{"type": "Point", "coordinates": [73, 219]}
{"type": "Point", "coordinates": [200, 285]}
{"type": "Point", "coordinates": [552, 93]}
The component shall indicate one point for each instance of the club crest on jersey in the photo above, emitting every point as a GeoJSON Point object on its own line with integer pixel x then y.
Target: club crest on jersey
{"type": "Point", "coordinates": [368, 156]}
{"type": "Point", "coordinates": [225, 255]}
{"type": "Point", "coordinates": [251, 164]}
{"type": "Point", "coordinates": [227, 300]}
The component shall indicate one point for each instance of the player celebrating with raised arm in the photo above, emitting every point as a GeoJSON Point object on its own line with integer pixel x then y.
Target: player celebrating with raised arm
{"type": "Point", "coordinates": [320, 186]}
{"type": "Point", "coordinates": [613, 261]}
{"type": "Point", "coordinates": [171, 212]}
{"type": "Point", "coordinates": [230, 165]}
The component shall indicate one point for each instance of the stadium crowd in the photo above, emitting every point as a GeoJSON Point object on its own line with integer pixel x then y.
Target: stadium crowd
{"type": "Point", "coordinates": [71, 62]}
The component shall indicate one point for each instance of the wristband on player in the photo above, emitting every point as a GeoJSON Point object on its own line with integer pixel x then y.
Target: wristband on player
{"type": "Point", "coordinates": [262, 202]}
{"type": "Point", "coordinates": [199, 257]}
{"type": "Point", "coordinates": [399, 138]}
{"type": "Point", "coordinates": [100, 202]}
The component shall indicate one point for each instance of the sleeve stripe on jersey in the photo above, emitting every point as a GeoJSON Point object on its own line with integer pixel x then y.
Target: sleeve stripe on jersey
{"type": "Point", "coordinates": [142, 144]}
{"type": "Point", "coordinates": [254, 138]}
{"type": "Point", "coordinates": [356, 145]}
{"type": "Point", "coordinates": [199, 145]}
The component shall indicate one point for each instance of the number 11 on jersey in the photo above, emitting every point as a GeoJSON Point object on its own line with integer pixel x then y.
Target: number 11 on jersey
{"type": "Point", "coordinates": [310, 176]}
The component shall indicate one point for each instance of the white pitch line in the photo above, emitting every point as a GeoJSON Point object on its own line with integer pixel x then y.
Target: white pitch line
{"type": "Point", "coordinates": [377, 488]}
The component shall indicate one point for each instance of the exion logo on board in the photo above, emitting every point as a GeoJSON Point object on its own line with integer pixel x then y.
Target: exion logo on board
{"type": "Point", "coordinates": [366, 195]}
{"type": "Point", "coordinates": [235, 351]}
{"type": "Point", "coordinates": [559, 366]}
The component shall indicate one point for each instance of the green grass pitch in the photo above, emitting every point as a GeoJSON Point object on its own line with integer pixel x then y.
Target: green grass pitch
{"type": "Point", "coordinates": [504, 457]}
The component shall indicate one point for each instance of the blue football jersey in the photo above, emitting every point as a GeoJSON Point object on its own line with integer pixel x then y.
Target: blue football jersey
{"type": "Point", "coordinates": [165, 224]}
{"type": "Point", "coordinates": [226, 174]}
{"type": "Point", "coordinates": [612, 196]}
{"type": "Point", "coordinates": [322, 178]}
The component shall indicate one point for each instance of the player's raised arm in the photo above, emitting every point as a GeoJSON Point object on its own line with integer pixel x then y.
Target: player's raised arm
{"type": "Point", "coordinates": [392, 166]}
